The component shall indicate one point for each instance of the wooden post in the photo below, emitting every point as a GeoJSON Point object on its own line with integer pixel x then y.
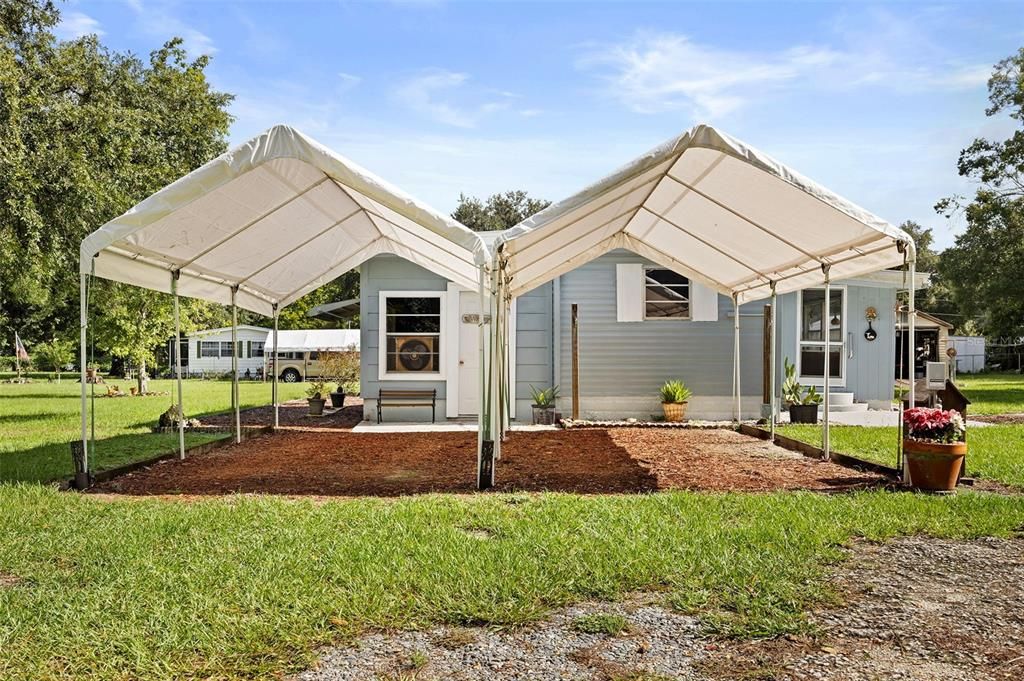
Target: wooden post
{"type": "Point", "coordinates": [575, 361]}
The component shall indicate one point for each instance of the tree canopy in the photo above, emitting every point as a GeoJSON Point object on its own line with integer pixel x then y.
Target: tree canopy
{"type": "Point", "coordinates": [85, 133]}
{"type": "Point", "coordinates": [982, 269]}
{"type": "Point", "coordinates": [499, 211]}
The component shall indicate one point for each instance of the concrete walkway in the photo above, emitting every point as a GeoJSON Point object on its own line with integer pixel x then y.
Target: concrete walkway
{"type": "Point", "coordinates": [440, 427]}
{"type": "Point", "coordinates": [875, 417]}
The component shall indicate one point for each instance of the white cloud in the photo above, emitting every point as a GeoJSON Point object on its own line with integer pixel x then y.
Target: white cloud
{"type": "Point", "coordinates": [348, 81]}
{"type": "Point", "coordinates": [434, 93]}
{"type": "Point", "coordinates": [157, 19]}
{"type": "Point", "coordinates": [74, 25]}
{"type": "Point", "coordinates": [657, 72]}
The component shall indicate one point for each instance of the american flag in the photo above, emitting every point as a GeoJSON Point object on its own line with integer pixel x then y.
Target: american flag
{"type": "Point", "coordinates": [19, 348]}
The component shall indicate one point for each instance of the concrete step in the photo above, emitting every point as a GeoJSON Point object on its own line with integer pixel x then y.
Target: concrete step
{"type": "Point", "coordinates": [840, 398]}
{"type": "Point", "coordinates": [854, 406]}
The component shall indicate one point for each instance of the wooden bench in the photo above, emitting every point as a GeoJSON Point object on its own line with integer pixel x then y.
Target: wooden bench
{"type": "Point", "coordinates": [407, 398]}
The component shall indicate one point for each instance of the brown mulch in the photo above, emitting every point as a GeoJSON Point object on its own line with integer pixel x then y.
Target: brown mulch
{"type": "Point", "coordinates": [614, 460]}
{"type": "Point", "coordinates": [1004, 419]}
{"type": "Point", "coordinates": [292, 414]}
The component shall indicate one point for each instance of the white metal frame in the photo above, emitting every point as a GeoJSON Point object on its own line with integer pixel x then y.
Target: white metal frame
{"type": "Point", "coordinates": [382, 373]}
{"type": "Point", "coordinates": [817, 381]}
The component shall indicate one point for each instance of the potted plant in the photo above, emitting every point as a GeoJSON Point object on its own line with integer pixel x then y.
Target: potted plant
{"type": "Point", "coordinates": [315, 397]}
{"type": "Point", "coordinates": [934, 445]}
{"type": "Point", "coordinates": [341, 367]}
{"type": "Point", "coordinates": [803, 406]}
{"type": "Point", "coordinates": [544, 405]}
{"type": "Point", "coordinates": [674, 398]}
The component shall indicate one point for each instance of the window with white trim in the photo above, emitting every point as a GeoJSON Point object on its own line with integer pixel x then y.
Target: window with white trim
{"type": "Point", "coordinates": [411, 334]}
{"type": "Point", "coordinates": [813, 323]}
{"type": "Point", "coordinates": [666, 294]}
{"type": "Point", "coordinates": [209, 349]}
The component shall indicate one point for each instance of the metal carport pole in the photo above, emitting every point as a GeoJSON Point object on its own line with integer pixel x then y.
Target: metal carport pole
{"type": "Point", "coordinates": [177, 364]}
{"type": "Point", "coordinates": [84, 324]}
{"type": "Point", "coordinates": [736, 388]}
{"type": "Point", "coordinates": [911, 341]}
{"type": "Point", "coordinates": [273, 364]}
{"type": "Point", "coordinates": [826, 324]}
{"type": "Point", "coordinates": [234, 365]}
{"type": "Point", "coordinates": [772, 401]}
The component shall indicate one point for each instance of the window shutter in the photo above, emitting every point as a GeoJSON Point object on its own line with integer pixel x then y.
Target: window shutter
{"type": "Point", "coordinates": [703, 303]}
{"type": "Point", "coordinates": [629, 292]}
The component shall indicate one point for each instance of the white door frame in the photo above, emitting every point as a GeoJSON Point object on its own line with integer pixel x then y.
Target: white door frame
{"type": "Point", "coordinates": [453, 317]}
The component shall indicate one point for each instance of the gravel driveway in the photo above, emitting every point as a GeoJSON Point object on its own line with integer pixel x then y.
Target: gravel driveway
{"type": "Point", "coordinates": [918, 608]}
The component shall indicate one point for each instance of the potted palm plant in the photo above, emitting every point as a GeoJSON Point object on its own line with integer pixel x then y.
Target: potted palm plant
{"type": "Point", "coordinates": [675, 396]}
{"type": "Point", "coordinates": [314, 394]}
{"type": "Point", "coordinates": [803, 405]}
{"type": "Point", "coordinates": [934, 442]}
{"type": "Point", "coordinates": [544, 405]}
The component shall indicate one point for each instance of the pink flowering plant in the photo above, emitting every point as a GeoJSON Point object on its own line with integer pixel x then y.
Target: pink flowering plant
{"type": "Point", "coordinates": [934, 425]}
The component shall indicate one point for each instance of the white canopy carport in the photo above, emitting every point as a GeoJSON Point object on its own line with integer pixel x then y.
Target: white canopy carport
{"type": "Point", "coordinates": [707, 206]}
{"type": "Point", "coordinates": [302, 340]}
{"type": "Point", "coordinates": [265, 223]}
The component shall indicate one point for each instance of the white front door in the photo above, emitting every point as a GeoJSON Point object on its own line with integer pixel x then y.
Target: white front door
{"type": "Point", "coordinates": [469, 353]}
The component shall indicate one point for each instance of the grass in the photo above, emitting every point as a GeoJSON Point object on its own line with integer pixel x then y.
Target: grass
{"type": "Point", "coordinates": [994, 452]}
{"type": "Point", "coordinates": [38, 420]}
{"type": "Point", "coordinates": [993, 393]}
{"type": "Point", "coordinates": [601, 623]}
{"type": "Point", "coordinates": [244, 587]}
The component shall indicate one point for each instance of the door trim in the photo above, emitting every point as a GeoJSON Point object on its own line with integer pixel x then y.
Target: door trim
{"type": "Point", "coordinates": [453, 317]}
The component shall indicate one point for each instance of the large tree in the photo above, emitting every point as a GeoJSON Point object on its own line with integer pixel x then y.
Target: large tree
{"type": "Point", "coordinates": [85, 133]}
{"type": "Point", "coordinates": [499, 211]}
{"type": "Point", "coordinates": [983, 268]}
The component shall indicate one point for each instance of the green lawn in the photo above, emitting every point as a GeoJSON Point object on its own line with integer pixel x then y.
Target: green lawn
{"type": "Point", "coordinates": [993, 393]}
{"type": "Point", "coordinates": [994, 452]}
{"type": "Point", "coordinates": [38, 420]}
{"type": "Point", "coordinates": [245, 587]}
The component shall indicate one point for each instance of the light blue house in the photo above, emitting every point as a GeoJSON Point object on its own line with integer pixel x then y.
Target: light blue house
{"type": "Point", "coordinates": [639, 325]}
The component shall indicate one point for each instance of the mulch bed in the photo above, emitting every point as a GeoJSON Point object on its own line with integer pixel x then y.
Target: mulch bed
{"type": "Point", "coordinates": [292, 414]}
{"type": "Point", "coordinates": [1002, 419]}
{"type": "Point", "coordinates": [614, 460]}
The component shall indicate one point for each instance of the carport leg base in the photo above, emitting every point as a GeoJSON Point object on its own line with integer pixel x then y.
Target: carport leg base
{"type": "Point", "coordinates": [485, 471]}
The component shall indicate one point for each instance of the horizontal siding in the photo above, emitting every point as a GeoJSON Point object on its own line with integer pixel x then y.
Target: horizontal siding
{"type": "Point", "coordinates": [533, 346]}
{"type": "Point", "coordinates": [870, 365]}
{"type": "Point", "coordinates": [633, 359]}
{"type": "Point", "coordinates": [391, 273]}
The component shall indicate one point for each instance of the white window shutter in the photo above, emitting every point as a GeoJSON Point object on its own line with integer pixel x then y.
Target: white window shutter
{"type": "Point", "coordinates": [703, 303]}
{"type": "Point", "coordinates": [629, 292]}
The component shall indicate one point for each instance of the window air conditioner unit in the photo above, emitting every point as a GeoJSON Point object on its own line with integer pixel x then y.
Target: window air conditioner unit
{"type": "Point", "coordinates": [935, 375]}
{"type": "Point", "coordinates": [416, 354]}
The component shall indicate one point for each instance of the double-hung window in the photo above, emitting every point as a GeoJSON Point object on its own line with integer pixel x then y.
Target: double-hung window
{"type": "Point", "coordinates": [209, 349]}
{"type": "Point", "coordinates": [666, 294]}
{"type": "Point", "coordinates": [411, 340]}
{"type": "Point", "coordinates": [822, 332]}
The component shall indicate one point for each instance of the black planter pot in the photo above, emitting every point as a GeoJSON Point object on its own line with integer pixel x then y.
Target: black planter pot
{"type": "Point", "coordinates": [316, 406]}
{"type": "Point", "coordinates": [337, 400]}
{"type": "Point", "coordinates": [803, 413]}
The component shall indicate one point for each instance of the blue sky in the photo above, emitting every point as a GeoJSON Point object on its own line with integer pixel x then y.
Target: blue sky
{"type": "Point", "coordinates": [873, 101]}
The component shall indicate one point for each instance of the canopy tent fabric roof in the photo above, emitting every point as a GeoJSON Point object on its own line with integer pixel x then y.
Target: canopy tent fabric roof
{"type": "Point", "coordinates": [301, 340]}
{"type": "Point", "coordinates": [276, 217]}
{"type": "Point", "coordinates": [712, 208]}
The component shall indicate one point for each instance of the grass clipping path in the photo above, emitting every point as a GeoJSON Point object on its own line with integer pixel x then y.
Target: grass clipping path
{"type": "Point", "coordinates": [244, 587]}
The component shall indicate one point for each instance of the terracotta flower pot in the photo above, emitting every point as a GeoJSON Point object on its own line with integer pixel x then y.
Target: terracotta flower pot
{"type": "Point", "coordinates": [674, 411]}
{"type": "Point", "coordinates": [934, 466]}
